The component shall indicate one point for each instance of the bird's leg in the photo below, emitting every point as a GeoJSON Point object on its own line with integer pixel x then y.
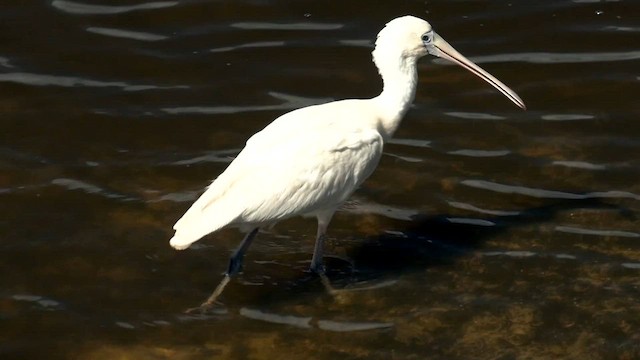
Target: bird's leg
{"type": "Point", "coordinates": [317, 265]}
{"type": "Point", "coordinates": [235, 265]}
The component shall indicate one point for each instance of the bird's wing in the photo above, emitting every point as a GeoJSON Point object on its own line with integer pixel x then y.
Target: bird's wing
{"type": "Point", "coordinates": [312, 173]}
{"type": "Point", "coordinates": [284, 171]}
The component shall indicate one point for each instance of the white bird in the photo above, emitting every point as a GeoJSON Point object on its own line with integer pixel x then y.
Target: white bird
{"type": "Point", "coordinates": [309, 161]}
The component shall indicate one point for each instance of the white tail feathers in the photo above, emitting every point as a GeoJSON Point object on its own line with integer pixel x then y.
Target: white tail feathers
{"type": "Point", "coordinates": [202, 219]}
{"type": "Point", "coordinates": [194, 228]}
{"type": "Point", "coordinates": [180, 243]}
{"type": "Point", "coordinates": [213, 210]}
{"type": "Point", "coordinates": [194, 225]}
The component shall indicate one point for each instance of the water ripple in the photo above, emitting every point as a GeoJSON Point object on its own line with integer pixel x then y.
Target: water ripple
{"type": "Point", "coordinates": [583, 231]}
{"type": "Point", "coordinates": [474, 116]}
{"type": "Point", "coordinates": [262, 44]}
{"type": "Point", "coordinates": [511, 253]}
{"type": "Point", "coordinates": [127, 34]}
{"type": "Point", "coordinates": [479, 153]}
{"type": "Point", "coordinates": [579, 165]}
{"type": "Point", "coordinates": [43, 302]}
{"type": "Point", "coordinates": [470, 221]}
{"type": "Point", "coordinates": [357, 43]}
{"type": "Point", "coordinates": [179, 197]}
{"type": "Point", "coordinates": [547, 194]}
{"type": "Point", "coordinates": [404, 158]}
{"type": "Point", "coordinates": [288, 26]}
{"type": "Point", "coordinates": [90, 9]}
{"type": "Point", "coordinates": [290, 102]}
{"type": "Point", "coordinates": [562, 256]}
{"type": "Point", "coordinates": [305, 322]}
{"type": "Point", "coordinates": [356, 207]}
{"type": "Point", "coordinates": [410, 142]}
{"type": "Point", "coordinates": [124, 325]}
{"type": "Point", "coordinates": [281, 43]}
{"type": "Point", "coordinates": [470, 207]}
{"type": "Point", "coordinates": [552, 58]}
{"type": "Point", "coordinates": [73, 184]}
{"type": "Point", "coordinates": [621, 28]}
{"type": "Point", "coordinates": [70, 81]}
{"type": "Point", "coordinates": [297, 321]}
{"type": "Point", "coordinates": [351, 326]}
{"type": "Point", "coordinates": [4, 62]}
{"type": "Point", "coordinates": [218, 156]}
{"type": "Point", "coordinates": [566, 117]}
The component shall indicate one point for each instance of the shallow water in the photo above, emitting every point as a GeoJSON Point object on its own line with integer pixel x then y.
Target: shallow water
{"type": "Point", "coordinates": [486, 232]}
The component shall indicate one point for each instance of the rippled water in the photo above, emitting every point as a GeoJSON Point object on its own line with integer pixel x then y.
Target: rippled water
{"type": "Point", "coordinates": [486, 232]}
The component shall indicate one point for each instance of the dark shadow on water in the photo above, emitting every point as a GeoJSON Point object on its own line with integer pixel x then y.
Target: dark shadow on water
{"type": "Point", "coordinates": [436, 240]}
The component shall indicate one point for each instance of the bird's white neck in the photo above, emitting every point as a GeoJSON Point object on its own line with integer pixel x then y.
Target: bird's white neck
{"type": "Point", "coordinates": [399, 75]}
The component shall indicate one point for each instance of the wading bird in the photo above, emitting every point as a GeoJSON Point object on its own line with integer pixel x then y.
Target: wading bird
{"type": "Point", "coordinates": [309, 161]}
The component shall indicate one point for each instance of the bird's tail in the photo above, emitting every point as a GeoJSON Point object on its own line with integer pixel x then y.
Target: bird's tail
{"type": "Point", "coordinates": [201, 220]}
{"type": "Point", "coordinates": [181, 243]}
{"type": "Point", "coordinates": [212, 211]}
{"type": "Point", "coordinates": [194, 226]}
{"type": "Point", "coordinates": [189, 232]}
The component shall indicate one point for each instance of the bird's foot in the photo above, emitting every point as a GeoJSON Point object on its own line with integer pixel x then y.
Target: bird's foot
{"type": "Point", "coordinates": [204, 308]}
{"type": "Point", "coordinates": [340, 296]}
{"type": "Point", "coordinates": [212, 300]}
{"type": "Point", "coordinates": [326, 283]}
{"type": "Point", "coordinates": [360, 286]}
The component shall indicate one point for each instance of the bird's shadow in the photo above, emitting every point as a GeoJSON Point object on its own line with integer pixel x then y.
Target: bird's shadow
{"type": "Point", "coordinates": [436, 240]}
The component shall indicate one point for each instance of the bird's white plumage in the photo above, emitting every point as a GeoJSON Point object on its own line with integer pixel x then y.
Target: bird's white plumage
{"type": "Point", "coordinates": [308, 161]}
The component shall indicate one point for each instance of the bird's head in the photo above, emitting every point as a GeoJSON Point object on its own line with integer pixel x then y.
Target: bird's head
{"type": "Point", "coordinates": [411, 38]}
{"type": "Point", "coordinates": [403, 36]}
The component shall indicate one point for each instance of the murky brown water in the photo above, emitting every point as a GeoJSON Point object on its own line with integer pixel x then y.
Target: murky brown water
{"type": "Point", "coordinates": [488, 232]}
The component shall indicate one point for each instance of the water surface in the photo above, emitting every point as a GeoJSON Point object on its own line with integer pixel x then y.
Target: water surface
{"type": "Point", "coordinates": [486, 232]}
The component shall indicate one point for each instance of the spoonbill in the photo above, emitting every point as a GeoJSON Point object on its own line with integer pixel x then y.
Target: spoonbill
{"type": "Point", "coordinates": [309, 161]}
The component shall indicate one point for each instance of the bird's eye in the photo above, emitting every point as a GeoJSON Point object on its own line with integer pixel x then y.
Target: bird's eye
{"type": "Point", "coordinates": [426, 38]}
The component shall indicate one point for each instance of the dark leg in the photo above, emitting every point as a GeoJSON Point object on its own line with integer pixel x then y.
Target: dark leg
{"type": "Point", "coordinates": [317, 265]}
{"type": "Point", "coordinates": [318, 251]}
{"type": "Point", "coordinates": [235, 265]}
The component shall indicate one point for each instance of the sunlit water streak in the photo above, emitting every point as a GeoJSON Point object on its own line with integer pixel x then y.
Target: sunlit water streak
{"type": "Point", "coordinates": [475, 116]}
{"type": "Point", "coordinates": [594, 232]}
{"type": "Point", "coordinates": [290, 26]}
{"type": "Point", "coordinates": [71, 81]}
{"type": "Point", "coordinates": [543, 193]}
{"type": "Point", "coordinates": [566, 117]}
{"type": "Point", "coordinates": [289, 102]}
{"type": "Point", "coordinates": [73, 184]}
{"type": "Point", "coordinates": [580, 165]}
{"type": "Point", "coordinates": [126, 34]}
{"type": "Point", "coordinates": [553, 58]}
{"type": "Point", "coordinates": [263, 44]}
{"type": "Point", "coordinates": [90, 9]}
{"type": "Point", "coordinates": [480, 153]}
{"type": "Point", "coordinates": [464, 206]}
